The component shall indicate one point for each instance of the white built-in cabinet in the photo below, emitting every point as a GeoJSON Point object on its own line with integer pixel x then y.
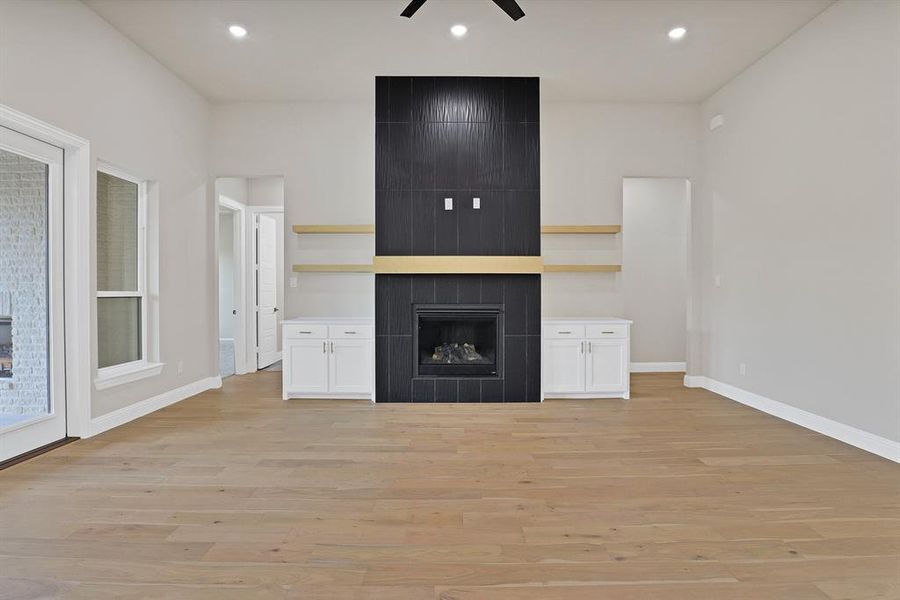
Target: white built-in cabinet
{"type": "Point", "coordinates": [328, 358]}
{"type": "Point", "coordinates": [586, 358]}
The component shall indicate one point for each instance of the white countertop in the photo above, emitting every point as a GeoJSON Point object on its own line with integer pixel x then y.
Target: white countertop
{"type": "Point", "coordinates": [329, 320]}
{"type": "Point", "coordinates": [615, 320]}
{"type": "Point", "coordinates": [544, 320]}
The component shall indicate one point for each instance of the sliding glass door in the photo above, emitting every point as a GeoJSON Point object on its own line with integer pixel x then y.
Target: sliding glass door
{"type": "Point", "coordinates": [32, 387]}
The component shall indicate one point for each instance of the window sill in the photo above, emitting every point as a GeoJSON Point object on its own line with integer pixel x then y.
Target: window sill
{"type": "Point", "coordinates": [122, 374]}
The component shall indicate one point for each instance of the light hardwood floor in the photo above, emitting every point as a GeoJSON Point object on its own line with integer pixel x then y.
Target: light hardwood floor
{"type": "Point", "coordinates": [234, 494]}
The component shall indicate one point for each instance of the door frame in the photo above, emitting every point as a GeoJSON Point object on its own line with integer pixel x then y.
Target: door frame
{"type": "Point", "coordinates": [239, 245]}
{"type": "Point", "coordinates": [49, 426]}
{"type": "Point", "coordinates": [253, 213]}
{"type": "Point", "coordinates": [77, 252]}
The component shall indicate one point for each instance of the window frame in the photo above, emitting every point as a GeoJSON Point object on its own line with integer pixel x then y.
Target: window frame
{"type": "Point", "coordinates": [137, 369]}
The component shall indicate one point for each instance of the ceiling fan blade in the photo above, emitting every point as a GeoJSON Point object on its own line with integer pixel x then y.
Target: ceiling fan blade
{"type": "Point", "coordinates": [411, 9]}
{"type": "Point", "coordinates": [512, 8]}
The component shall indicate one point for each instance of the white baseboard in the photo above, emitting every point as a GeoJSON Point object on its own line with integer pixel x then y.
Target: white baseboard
{"type": "Point", "coordinates": [145, 407]}
{"type": "Point", "coordinates": [869, 442]}
{"type": "Point", "coordinates": [694, 381]}
{"type": "Point", "coordinates": [323, 396]}
{"type": "Point", "coordinates": [658, 367]}
{"type": "Point", "coordinates": [587, 396]}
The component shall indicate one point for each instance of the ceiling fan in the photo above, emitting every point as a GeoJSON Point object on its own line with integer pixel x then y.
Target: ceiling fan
{"type": "Point", "coordinates": [510, 7]}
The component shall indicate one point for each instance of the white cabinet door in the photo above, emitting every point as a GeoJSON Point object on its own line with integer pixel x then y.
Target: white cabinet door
{"type": "Point", "coordinates": [606, 362]}
{"type": "Point", "coordinates": [306, 365]}
{"type": "Point", "coordinates": [350, 366]}
{"type": "Point", "coordinates": [563, 365]}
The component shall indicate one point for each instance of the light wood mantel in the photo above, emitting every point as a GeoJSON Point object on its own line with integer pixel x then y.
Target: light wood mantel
{"type": "Point", "coordinates": [458, 264]}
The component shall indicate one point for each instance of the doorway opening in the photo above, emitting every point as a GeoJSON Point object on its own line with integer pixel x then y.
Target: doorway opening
{"type": "Point", "coordinates": [229, 294]}
{"type": "Point", "coordinates": [655, 240]}
{"type": "Point", "coordinates": [250, 249]}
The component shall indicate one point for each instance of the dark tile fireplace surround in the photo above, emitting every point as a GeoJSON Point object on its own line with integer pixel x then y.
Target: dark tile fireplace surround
{"type": "Point", "coordinates": [457, 338]}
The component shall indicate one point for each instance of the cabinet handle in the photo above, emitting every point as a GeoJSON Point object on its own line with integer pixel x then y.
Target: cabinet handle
{"type": "Point", "coordinates": [607, 332]}
{"type": "Point", "coordinates": [589, 347]}
{"type": "Point", "coordinates": [350, 332]}
{"type": "Point", "coordinates": [306, 332]}
{"type": "Point", "coordinates": [323, 347]}
{"type": "Point", "coordinates": [332, 347]}
{"type": "Point", "coordinates": [565, 332]}
{"type": "Point", "coordinates": [581, 346]}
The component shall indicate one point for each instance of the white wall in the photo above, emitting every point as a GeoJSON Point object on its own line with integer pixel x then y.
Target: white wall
{"type": "Point", "coordinates": [226, 274]}
{"type": "Point", "coordinates": [655, 248]}
{"type": "Point", "coordinates": [586, 151]}
{"type": "Point", "coordinates": [266, 191]}
{"type": "Point", "coordinates": [801, 218]}
{"type": "Point", "coordinates": [236, 189]}
{"type": "Point", "coordinates": [63, 64]}
{"type": "Point", "coordinates": [327, 154]}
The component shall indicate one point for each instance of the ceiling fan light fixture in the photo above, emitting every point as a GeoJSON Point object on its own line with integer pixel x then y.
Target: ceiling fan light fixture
{"type": "Point", "coordinates": [459, 30]}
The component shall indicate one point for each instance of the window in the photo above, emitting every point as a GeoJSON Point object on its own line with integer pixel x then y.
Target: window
{"type": "Point", "coordinates": [122, 307]}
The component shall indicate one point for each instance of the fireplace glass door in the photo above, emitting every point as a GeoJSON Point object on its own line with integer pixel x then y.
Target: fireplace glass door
{"type": "Point", "coordinates": [458, 340]}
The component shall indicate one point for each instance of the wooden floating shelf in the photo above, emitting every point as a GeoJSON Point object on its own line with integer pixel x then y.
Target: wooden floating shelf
{"type": "Point", "coordinates": [582, 268]}
{"type": "Point", "coordinates": [581, 228]}
{"type": "Point", "coordinates": [475, 265]}
{"type": "Point", "coordinates": [334, 228]}
{"type": "Point", "coordinates": [325, 268]}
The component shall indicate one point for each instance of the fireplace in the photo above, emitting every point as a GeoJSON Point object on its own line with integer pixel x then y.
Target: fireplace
{"type": "Point", "coordinates": [457, 340]}
{"type": "Point", "coordinates": [457, 175]}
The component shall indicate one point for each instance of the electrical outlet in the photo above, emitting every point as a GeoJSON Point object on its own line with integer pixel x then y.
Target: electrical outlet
{"type": "Point", "coordinates": [448, 203]}
{"type": "Point", "coordinates": [742, 369]}
{"type": "Point", "coordinates": [476, 203]}
{"type": "Point", "coordinates": [293, 281]}
{"type": "Point", "coordinates": [180, 367]}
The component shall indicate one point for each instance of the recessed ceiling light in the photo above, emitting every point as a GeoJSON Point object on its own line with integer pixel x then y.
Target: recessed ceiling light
{"type": "Point", "coordinates": [237, 31]}
{"type": "Point", "coordinates": [677, 33]}
{"type": "Point", "coordinates": [459, 30]}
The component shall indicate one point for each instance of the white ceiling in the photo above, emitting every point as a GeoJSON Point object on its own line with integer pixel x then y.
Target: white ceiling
{"type": "Point", "coordinates": [605, 50]}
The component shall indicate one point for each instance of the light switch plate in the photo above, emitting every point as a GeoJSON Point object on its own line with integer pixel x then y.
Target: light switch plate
{"type": "Point", "coordinates": [448, 203]}
{"type": "Point", "coordinates": [293, 281]}
{"type": "Point", "coordinates": [476, 203]}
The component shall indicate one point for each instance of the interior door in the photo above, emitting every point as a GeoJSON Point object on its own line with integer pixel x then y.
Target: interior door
{"type": "Point", "coordinates": [606, 365]}
{"type": "Point", "coordinates": [32, 375]}
{"type": "Point", "coordinates": [267, 275]}
{"type": "Point", "coordinates": [563, 362]}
